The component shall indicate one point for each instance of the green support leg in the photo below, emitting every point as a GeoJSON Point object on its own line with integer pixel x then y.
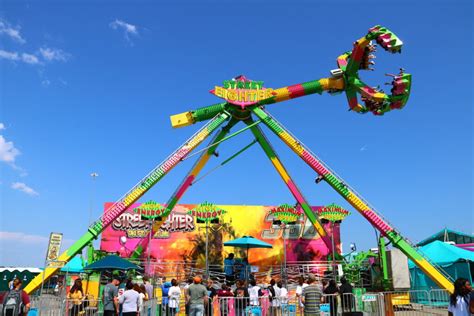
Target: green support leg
{"type": "Point", "coordinates": [271, 154]}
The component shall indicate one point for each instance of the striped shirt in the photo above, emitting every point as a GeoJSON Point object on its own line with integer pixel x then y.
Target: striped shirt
{"type": "Point", "coordinates": [312, 298]}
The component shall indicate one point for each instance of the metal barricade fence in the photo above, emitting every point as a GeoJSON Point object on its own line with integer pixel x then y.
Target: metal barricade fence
{"type": "Point", "coordinates": [415, 303]}
{"type": "Point", "coordinates": [396, 303]}
{"type": "Point", "coordinates": [55, 306]}
{"type": "Point", "coordinates": [47, 305]}
{"type": "Point", "coordinates": [407, 301]}
{"type": "Point", "coordinates": [150, 308]}
{"type": "Point", "coordinates": [253, 306]}
{"type": "Point", "coordinates": [87, 307]}
{"type": "Point", "coordinates": [350, 304]}
{"type": "Point", "coordinates": [439, 299]}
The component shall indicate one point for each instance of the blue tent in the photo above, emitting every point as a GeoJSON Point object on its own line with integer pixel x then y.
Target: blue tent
{"type": "Point", "coordinates": [453, 260]}
{"type": "Point", "coordinates": [112, 263]}
{"type": "Point", "coordinates": [75, 265]}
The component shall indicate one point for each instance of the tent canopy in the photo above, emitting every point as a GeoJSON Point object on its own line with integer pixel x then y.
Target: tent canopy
{"type": "Point", "coordinates": [444, 254]}
{"type": "Point", "coordinates": [448, 235]}
{"type": "Point", "coordinates": [112, 263]}
{"type": "Point", "coordinates": [74, 266]}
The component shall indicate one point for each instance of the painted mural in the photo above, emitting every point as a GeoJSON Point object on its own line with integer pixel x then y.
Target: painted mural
{"type": "Point", "coordinates": [182, 237]}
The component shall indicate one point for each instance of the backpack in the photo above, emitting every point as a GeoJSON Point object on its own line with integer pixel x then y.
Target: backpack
{"type": "Point", "coordinates": [12, 303]}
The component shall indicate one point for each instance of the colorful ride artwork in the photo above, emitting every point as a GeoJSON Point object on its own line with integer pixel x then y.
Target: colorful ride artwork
{"type": "Point", "coordinates": [245, 100]}
{"type": "Point", "coordinates": [182, 236]}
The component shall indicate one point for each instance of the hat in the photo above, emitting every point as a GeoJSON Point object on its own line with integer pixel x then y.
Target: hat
{"type": "Point", "coordinates": [197, 279]}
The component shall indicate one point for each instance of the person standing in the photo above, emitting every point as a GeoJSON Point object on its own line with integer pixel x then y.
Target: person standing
{"type": "Point", "coordinates": [241, 298]}
{"type": "Point", "coordinates": [16, 301]}
{"type": "Point", "coordinates": [229, 264]}
{"type": "Point", "coordinates": [244, 269]}
{"type": "Point", "coordinates": [471, 302]}
{"type": "Point", "coordinates": [110, 297]}
{"type": "Point", "coordinates": [459, 300]}
{"type": "Point", "coordinates": [164, 296]}
{"type": "Point", "coordinates": [130, 300]}
{"type": "Point", "coordinates": [174, 295]}
{"type": "Point", "coordinates": [311, 297]}
{"type": "Point", "coordinates": [148, 287]}
{"type": "Point", "coordinates": [331, 296]}
{"type": "Point", "coordinates": [299, 290]}
{"type": "Point", "coordinates": [323, 285]}
{"type": "Point", "coordinates": [146, 299]}
{"type": "Point", "coordinates": [186, 295]}
{"type": "Point", "coordinates": [197, 296]}
{"type": "Point", "coordinates": [211, 293]}
{"type": "Point", "coordinates": [347, 299]}
{"type": "Point", "coordinates": [141, 298]}
{"type": "Point", "coordinates": [225, 293]}
{"type": "Point", "coordinates": [255, 292]}
{"type": "Point", "coordinates": [283, 298]}
{"type": "Point", "coordinates": [274, 298]}
{"type": "Point", "coordinates": [76, 295]}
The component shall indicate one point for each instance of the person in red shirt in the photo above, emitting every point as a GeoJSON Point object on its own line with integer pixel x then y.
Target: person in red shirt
{"type": "Point", "coordinates": [225, 292]}
{"type": "Point", "coordinates": [25, 299]}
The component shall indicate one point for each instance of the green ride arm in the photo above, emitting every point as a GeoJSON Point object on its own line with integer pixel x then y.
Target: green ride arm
{"type": "Point", "coordinates": [131, 197]}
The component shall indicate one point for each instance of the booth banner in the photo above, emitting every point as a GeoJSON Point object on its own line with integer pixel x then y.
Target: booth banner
{"type": "Point", "coordinates": [54, 246]}
{"type": "Point", "coordinates": [182, 237]}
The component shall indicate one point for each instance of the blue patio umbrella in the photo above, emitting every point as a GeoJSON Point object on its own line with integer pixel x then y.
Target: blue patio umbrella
{"type": "Point", "coordinates": [112, 262]}
{"type": "Point", "coordinates": [247, 242]}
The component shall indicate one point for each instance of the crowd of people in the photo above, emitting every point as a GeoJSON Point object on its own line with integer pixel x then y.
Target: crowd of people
{"type": "Point", "coordinates": [249, 298]}
{"type": "Point", "coordinates": [128, 298]}
{"type": "Point", "coordinates": [244, 298]}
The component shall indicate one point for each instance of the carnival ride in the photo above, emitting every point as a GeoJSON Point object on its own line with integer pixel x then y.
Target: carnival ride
{"type": "Point", "coordinates": [244, 98]}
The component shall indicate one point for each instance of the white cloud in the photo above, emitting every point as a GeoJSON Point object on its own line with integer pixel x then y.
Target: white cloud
{"type": "Point", "coordinates": [23, 57]}
{"type": "Point", "coordinates": [54, 54]}
{"type": "Point", "coordinates": [30, 59]}
{"type": "Point", "coordinates": [29, 239]}
{"type": "Point", "coordinates": [47, 54]}
{"type": "Point", "coordinates": [128, 29]}
{"type": "Point", "coordinates": [8, 152]}
{"type": "Point", "coordinates": [12, 32]}
{"type": "Point", "coordinates": [23, 238]}
{"type": "Point", "coordinates": [363, 148]}
{"type": "Point", "coordinates": [9, 55]}
{"type": "Point", "coordinates": [45, 83]}
{"type": "Point", "coordinates": [24, 188]}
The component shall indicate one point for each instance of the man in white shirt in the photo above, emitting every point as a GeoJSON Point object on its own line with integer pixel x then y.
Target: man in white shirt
{"type": "Point", "coordinates": [254, 293]}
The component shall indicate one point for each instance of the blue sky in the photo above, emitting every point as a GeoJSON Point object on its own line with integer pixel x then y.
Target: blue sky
{"type": "Point", "coordinates": [89, 87]}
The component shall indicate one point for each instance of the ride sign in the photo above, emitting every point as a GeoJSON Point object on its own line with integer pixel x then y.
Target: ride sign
{"type": "Point", "coordinates": [206, 212]}
{"type": "Point", "coordinates": [333, 213]}
{"type": "Point", "coordinates": [243, 92]}
{"type": "Point", "coordinates": [54, 245]}
{"type": "Point", "coordinates": [286, 213]}
{"type": "Point", "coordinates": [150, 210]}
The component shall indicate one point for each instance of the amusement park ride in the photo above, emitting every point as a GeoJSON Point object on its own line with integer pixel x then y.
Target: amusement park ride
{"type": "Point", "coordinates": [245, 99]}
